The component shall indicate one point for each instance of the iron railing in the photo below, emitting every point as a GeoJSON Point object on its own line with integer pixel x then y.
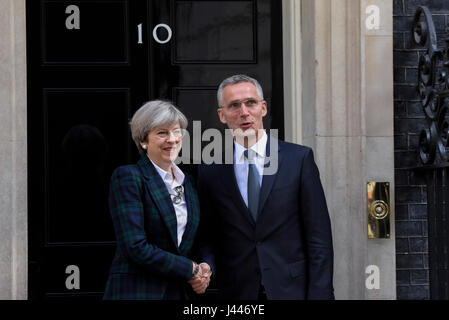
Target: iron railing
{"type": "Point", "coordinates": [433, 86]}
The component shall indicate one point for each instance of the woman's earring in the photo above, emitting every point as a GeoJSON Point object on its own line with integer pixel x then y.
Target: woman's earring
{"type": "Point", "coordinates": [145, 147]}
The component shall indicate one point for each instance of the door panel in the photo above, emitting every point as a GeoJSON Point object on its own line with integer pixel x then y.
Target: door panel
{"type": "Point", "coordinates": [85, 137]}
{"type": "Point", "coordinates": [85, 84]}
{"type": "Point", "coordinates": [102, 36]}
{"type": "Point", "coordinates": [215, 32]}
{"type": "Point", "coordinates": [93, 261]}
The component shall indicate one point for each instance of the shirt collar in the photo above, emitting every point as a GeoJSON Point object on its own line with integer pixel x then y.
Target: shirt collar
{"type": "Point", "coordinates": [260, 147]}
{"type": "Point", "coordinates": [167, 176]}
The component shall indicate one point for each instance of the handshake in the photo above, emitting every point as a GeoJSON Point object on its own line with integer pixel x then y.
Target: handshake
{"type": "Point", "coordinates": [200, 281]}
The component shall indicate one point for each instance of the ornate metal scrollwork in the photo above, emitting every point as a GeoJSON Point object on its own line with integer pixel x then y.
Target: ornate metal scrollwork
{"type": "Point", "coordinates": [433, 80]}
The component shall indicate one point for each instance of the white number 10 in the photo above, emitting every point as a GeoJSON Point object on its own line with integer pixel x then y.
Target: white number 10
{"type": "Point", "coordinates": [155, 36]}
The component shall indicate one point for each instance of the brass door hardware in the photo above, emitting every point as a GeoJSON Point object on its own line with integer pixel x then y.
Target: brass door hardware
{"type": "Point", "coordinates": [378, 199]}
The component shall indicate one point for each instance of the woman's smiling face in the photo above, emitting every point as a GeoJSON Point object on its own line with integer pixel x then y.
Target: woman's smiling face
{"type": "Point", "coordinates": [163, 144]}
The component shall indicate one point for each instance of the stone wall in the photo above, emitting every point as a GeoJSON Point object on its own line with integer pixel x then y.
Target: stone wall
{"type": "Point", "coordinates": [347, 118]}
{"type": "Point", "coordinates": [13, 151]}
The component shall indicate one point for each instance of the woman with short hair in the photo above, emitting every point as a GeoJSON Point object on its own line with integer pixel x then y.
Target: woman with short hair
{"type": "Point", "coordinates": [155, 211]}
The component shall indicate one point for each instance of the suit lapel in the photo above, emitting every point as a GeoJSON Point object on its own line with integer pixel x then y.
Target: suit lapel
{"type": "Point", "coordinates": [160, 196]}
{"type": "Point", "coordinates": [230, 184]}
{"type": "Point", "coordinates": [268, 180]}
{"type": "Point", "coordinates": [192, 216]}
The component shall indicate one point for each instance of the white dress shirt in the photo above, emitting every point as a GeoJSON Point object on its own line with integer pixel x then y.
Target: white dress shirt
{"type": "Point", "coordinates": [171, 184]}
{"type": "Point", "coordinates": [241, 164]}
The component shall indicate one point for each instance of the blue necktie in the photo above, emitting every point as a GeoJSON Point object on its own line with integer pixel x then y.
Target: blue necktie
{"type": "Point", "coordinates": [253, 184]}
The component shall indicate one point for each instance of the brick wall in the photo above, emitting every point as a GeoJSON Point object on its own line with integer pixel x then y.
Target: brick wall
{"type": "Point", "coordinates": [411, 222]}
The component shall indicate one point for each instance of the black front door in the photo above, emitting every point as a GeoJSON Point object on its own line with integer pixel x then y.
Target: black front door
{"type": "Point", "coordinates": [91, 64]}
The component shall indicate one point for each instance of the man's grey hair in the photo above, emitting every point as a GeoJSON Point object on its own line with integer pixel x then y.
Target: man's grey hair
{"type": "Point", "coordinates": [239, 78]}
{"type": "Point", "coordinates": [151, 115]}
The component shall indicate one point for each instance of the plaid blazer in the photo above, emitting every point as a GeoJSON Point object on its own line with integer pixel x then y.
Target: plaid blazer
{"type": "Point", "coordinates": [148, 262]}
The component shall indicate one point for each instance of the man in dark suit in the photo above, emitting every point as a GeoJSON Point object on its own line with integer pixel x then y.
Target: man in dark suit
{"type": "Point", "coordinates": [265, 233]}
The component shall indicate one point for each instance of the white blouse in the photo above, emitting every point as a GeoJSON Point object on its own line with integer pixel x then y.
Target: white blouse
{"type": "Point", "coordinates": [181, 206]}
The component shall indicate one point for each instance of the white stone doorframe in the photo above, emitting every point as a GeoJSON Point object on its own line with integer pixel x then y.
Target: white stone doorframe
{"type": "Point", "coordinates": [338, 95]}
{"type": "Point", "coordinates": [13, 151]}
